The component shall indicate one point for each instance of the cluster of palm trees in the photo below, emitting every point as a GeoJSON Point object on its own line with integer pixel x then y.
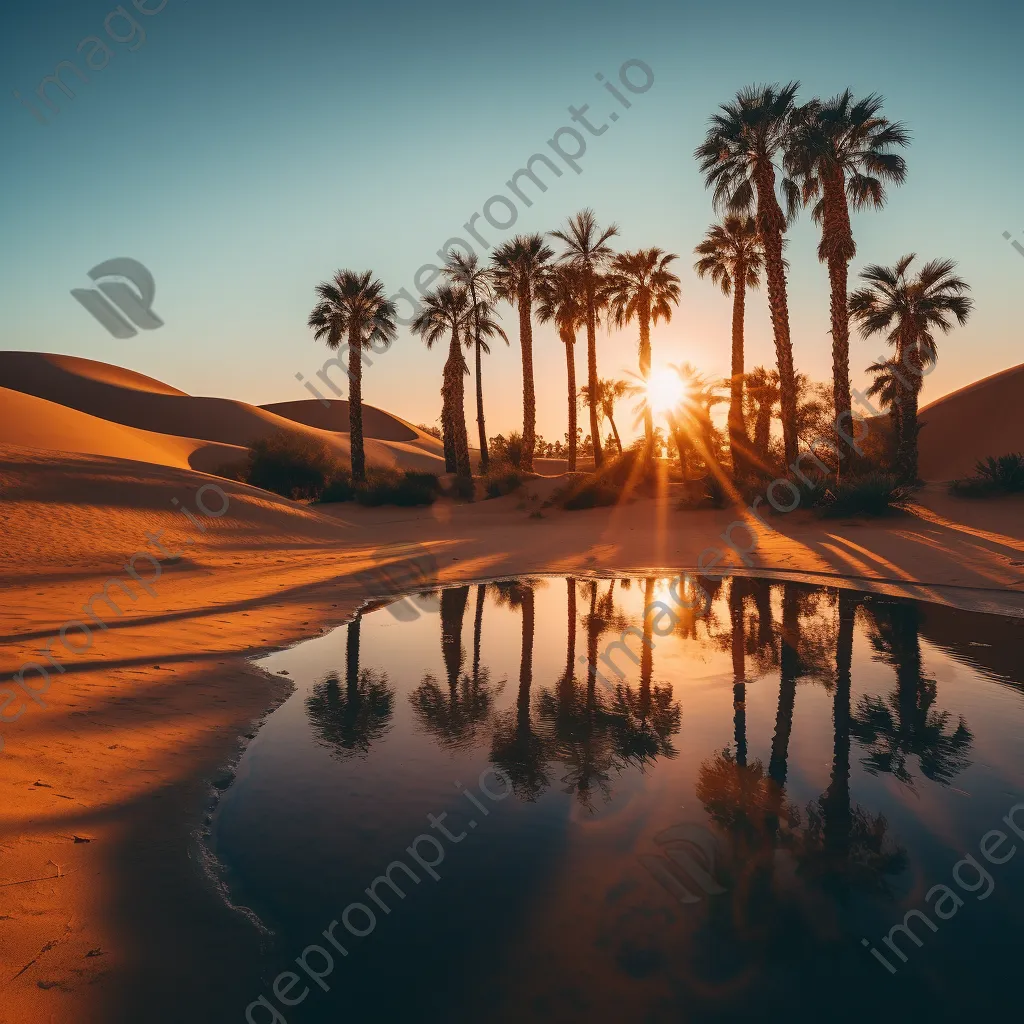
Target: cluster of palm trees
{"type": "Point", "coordinates": [765, 157]}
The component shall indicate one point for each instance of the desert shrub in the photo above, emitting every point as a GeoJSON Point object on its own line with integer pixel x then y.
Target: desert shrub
{"type": "Point", "coordinates": [339, 488]}
{"type": "Point", "coordinates": [502, 478]}
{"type": "Point", "coordinates": [1003, 474]}
{"type": "Point", "coordinates": [605, 486]}
{"type": "Point", "coordinates": [295, 466]}
{"type": "Point", "coordinates": [394, 487]}
{"type": "Point", "coordinates": [509, 449]}
{"type": "Point", "coordinates": [708, 492]}
{"type": "Point", "coordinates": [876, 494]}
{"type": "Point", "coordinates": [432, 430]}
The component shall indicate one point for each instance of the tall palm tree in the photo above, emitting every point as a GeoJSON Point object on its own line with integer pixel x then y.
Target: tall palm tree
{"type": "Point", "coordinates": [763, 395]}
{"type": "Point", "coordinates": [587, 250]}
{"type": "Point", "coordinates": [446, 310]}
{"type": "Point", "coordinates": [354, 308]}
{"type": "Point", "coordinates": [886, 388]}
{"type": "Point", "coordinates": [732, 255]}
{"type": "Point", "coordinates": [467, 272]}
{"type": "Point", "coordinates": [563, 300]}
{"type": "Point", "coordinates": [841, 152]}
{"type": "Point", "coordinates": [518, 267]}
{"type": "Point", "coordinates": [608, 393]}
{"type": "Point", "coordinates": [738, 157]}
{"type": "Point", "coordinates": [909, 310]}
{"type": "Point", "coordinates": [641, 287]}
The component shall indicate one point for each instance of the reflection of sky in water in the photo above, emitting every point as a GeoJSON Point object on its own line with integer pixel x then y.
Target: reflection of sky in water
{"type": "Point", "coordinates": [717, 764]}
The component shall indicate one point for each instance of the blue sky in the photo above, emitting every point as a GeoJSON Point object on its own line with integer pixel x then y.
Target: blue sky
{"type": "Point", "coordinates": [246, 150]}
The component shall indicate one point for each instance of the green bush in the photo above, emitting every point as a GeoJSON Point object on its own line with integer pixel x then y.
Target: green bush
{"type": "Point", "coordinates": [875, 494]}
{"type": "Point", "coordinates": [295, 466]}
{"type": "Point", "coordinates": [339, 489]}
{"type": "Point", "coordinates": [502, 478]}
{"type": "Point", "coordinates": [1003, 474]}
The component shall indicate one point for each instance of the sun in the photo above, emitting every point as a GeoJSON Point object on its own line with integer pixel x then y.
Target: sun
{"type": "Point", "coordinates": [664, 390]}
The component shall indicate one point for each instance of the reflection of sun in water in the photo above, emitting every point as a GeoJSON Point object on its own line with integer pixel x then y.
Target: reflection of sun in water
{"type": "Point", "coordinates": [664, 390]}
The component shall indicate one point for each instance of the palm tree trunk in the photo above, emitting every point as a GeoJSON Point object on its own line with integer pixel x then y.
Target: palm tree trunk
{"type": "Point", "coordinates": [839, 243]}
{"type": "Point", "coordinates": [907, 458]}
{"type": "Point", "coordinates": [771, 222]}
{"type": "Point", "coordinates": [478, 621]}
{"type": "Point", "coordinates": [778, 766]}
{"type": "Point", "coordinates": [837, 816]}
{"type": "Point", "coordinates": [739, 671]}
{"type": "Point", "coordinates": [570, 368]}
{"type": "Point", "coordinates": [526, 660]}
{"type": "Point", "coordinates": [647, 653]}
{"type": "Point", "coordinates": [352, 655]}
{"type": "Point", "coordinates": [570, 635]}
{"type": "Point", "coordinates": [355, 405]}
{"type": "Point", "coordinates": [453, 609]}
{"type": "Point", "coordinates": [737, 425]}
{"type": "Point", "coordinates": [677, 436]}
{"type": "Point", "coordinates": [484, 457]}
{"type": "Point", "coordinates": [449, 430]}
{"type": "Point", "coordinates": [458, 409]}
{"type": "Point", "coordinates": [529, 395]}
{"type": "Point", "coordinates": [644, 316]}
{"type": "Point", "coordinates": [595, 426]}
{"type": "Point", "coordinates": [615, 432]}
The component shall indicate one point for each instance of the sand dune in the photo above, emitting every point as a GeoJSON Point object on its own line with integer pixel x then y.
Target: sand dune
{"type": "Point", "coordinates": [984, 418]}
{"type": "Point", "coordinates": [108, 393]}
{"type": "Point", "coordinates": [32, 422]}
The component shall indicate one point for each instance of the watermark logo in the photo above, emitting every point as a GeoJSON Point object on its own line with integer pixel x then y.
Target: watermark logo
{"type": "Point", "coordinates": [690, 862]}
{"type": "Point", "coordinates": [1015, 244]}
{"type": "Point", "coordinates": [133, 304]}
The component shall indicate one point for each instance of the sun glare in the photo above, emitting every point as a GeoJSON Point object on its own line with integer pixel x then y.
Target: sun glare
{"type": "Point", "coordinates": [664, 390]}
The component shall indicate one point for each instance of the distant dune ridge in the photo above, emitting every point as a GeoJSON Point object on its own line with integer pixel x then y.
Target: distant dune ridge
{"type": "Point", "coordinates": [79, 402]}
{"type": "Point", "coordinates": [981, 419]}
{"type": "Point", "coordinates": [68, 404]}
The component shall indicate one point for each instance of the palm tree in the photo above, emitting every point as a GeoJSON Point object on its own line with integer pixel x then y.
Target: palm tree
{"type": "Point", "coordinates": [690, 422]}
{"type": "Point", "coordinates": [608, 393]}
{"type": "Point", "coordinates": [519, 267]}
{"type": "Point", "coordinates": [886, 388]}
{"type": "Point", "coordinates": [467, 272]}
{"type": "Point", "coordinates": [840, 151]}
{"type": "Point", "coordinates": [732, 255]}
{"type": "Point", "coordinates": [349, 720]}
{"type": "Point", "coordinates": [908, 310]}
{"type": "Point", "coordinates": [641, 287]}
{"type": "Point", "coordinates": [587, 250]}
{"type": "Point", "coordinates": [738, 159]}
{"type": "Point", "coordinates": [763, 395]}
{"type": "Point", "coordinates": [353, 308]}
{"type": "Point", "coordinates": [906, 724]}
{"type": "Point", "coordinates": [446, 310]}
{"type": "Point", "coordinates": [516, 748]}
{"type": "Point", "coordinates": [563, 300]}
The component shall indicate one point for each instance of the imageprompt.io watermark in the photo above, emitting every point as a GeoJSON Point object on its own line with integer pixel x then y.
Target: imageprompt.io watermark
{"type": "Point", "coordinates": [120, 308]}
{"type": "Point", "coordinates": [1013, 242]}
{"type": "Point", "coordinates": [500, 210]}
{"type": "Point", "coordinates": [690, 861]}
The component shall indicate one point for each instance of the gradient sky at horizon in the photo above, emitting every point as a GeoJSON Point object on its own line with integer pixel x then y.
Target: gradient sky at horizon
{"type": "Point", "coordinates": [247, 150]}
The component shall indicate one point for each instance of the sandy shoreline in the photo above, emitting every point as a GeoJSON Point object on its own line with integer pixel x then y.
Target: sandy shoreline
{"type": "Point", "coordinates": [123, 927]}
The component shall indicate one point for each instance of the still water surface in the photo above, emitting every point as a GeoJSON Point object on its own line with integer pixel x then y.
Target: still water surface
{"type": "Point", "coordinates": [710, 836]}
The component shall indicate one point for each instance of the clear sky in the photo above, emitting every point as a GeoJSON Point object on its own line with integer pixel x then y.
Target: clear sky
{"type": "Point", "coordinates": [246, 150]}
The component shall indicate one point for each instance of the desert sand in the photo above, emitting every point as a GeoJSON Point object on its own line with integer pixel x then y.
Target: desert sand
{"type": "Point", "coordinates": [105, 913]}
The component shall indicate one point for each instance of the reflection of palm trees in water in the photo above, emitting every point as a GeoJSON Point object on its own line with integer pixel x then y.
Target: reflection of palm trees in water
{"type": "Point", "coordinates": [456, 716]}
{"type": "Point", "coordinates": [905, 723]}
{"type": "Point", "coordinates": [515, 747]}
{"type": "Point", "coordinates": [350, 719]}
{"type": "Point", "coordinates": [645, 720]}
{"type": "Point", "coordinates": [843, 845]}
